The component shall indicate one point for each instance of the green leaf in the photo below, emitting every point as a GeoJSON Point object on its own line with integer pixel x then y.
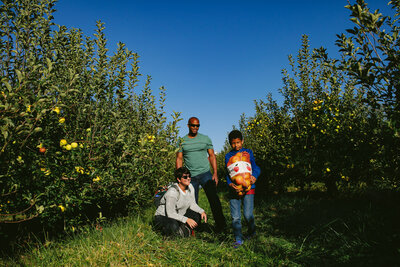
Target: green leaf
{"type": "Point", "coordinates": [38, 129]}
{"type": "Point", "coordinates": [49, 64]}
{"type": "Point", "coordinates": [7, 85]}
{"type": "Point", "coordinates": [355, 20]}
{"type": "Point", "coordinates": [4, 131]}
{"type": "Point", "coordinates": [19, 74]}
{"type": "Point", "coordinates": [40, 209]}
{"type": "Point", "coordinates": [395, 34]}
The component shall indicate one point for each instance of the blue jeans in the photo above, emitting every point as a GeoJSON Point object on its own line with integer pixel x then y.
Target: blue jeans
{"type": "Point", "coordinates": [207, 183]}
{"type": "Point", "coordinates": [248, 207]}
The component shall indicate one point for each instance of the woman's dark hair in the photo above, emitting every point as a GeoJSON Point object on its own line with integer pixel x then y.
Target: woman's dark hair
{"type": "Point", "coordinates": [181, 171]}
{"type": "Point", "coordinates": [235, 134]}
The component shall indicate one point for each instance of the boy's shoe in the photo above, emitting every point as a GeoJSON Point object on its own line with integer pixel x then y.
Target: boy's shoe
{"type": "Point", "coordinates": [237, 244]}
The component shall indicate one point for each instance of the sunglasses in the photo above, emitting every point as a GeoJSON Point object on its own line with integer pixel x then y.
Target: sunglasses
{"type": "Point", "coordinates": [194, 125]}
{"type": "Point", "coordinates": [186, 177]}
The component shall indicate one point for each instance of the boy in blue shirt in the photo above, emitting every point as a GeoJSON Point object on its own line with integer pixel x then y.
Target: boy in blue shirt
{"type": "Point", "coordinates": [241, 160]}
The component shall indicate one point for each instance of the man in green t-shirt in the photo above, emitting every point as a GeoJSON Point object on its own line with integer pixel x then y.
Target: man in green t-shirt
{"type": "Point", "coordinates": [197, 152]}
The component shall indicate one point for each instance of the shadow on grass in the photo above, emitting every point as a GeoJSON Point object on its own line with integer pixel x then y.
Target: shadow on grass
{"type": "Point", "coordinates": [314, 229]}
{"type": "Point", "coordinates": [302, 228]}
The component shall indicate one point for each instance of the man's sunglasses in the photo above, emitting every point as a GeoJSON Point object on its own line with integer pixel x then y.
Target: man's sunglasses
{"type": "Point", "coordinates": [194, 125]}
{"type": "Point", "coordinates": [186, 177]}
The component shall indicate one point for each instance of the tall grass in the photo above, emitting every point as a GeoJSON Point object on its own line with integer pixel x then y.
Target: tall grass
{"type": "Point", "coordinates": [294, 229]}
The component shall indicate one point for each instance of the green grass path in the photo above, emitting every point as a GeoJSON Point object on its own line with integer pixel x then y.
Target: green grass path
{"type": "Point", "coordinates": [293, 230]}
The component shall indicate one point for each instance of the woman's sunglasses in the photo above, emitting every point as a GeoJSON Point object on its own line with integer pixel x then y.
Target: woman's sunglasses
{"type": "Point", "coordinates": [186, 177]}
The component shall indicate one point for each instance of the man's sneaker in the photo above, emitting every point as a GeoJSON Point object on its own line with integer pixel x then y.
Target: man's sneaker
{"type": "Point", "coordinates": [220, 229]}
{"type": "Point", "coordinates": [237, 244]}
{"type": "Point", "coordinates": [204, 227]}
{"type": "Point", "coordinates": [251, 236]}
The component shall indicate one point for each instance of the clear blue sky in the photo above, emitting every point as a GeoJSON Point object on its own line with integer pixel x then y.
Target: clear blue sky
{"type": "Point", "coordinates": [215, 57]}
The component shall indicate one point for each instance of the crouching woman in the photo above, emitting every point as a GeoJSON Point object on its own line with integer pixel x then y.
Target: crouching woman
{"type": "Point", "coordinates": [178, 214]}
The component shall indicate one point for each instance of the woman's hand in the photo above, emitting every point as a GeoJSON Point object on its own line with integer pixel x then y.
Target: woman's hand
{"type": "Point", "coordinates": [192, 224]}
{"type": "Point", "coordinates": [204, 216]}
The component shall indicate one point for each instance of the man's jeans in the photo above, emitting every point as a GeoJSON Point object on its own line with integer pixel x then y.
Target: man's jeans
{"type": "Point", "coordinates": [206, 182]}
{"type": "Point", "coordinates": [248, 206]}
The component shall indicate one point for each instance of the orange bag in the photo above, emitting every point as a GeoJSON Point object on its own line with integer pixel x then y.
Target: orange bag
{"type": "Point", "coordinates": [239, 168]}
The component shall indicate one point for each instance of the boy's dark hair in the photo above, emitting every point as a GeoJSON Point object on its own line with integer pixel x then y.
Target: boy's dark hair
{"type": "Point", "coordinates": [181, 171]}
{"type": "Point", "coordinates": [235, 134]}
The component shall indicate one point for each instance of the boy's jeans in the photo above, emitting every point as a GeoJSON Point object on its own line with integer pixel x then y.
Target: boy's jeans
{"type": "Point", "coordinates": [206, 182]}
{"type": "Point", "coordinates": [248, 206]}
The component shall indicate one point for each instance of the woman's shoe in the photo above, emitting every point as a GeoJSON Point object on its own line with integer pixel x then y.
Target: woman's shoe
{"type": "Point", "coordinates": [184, 231]}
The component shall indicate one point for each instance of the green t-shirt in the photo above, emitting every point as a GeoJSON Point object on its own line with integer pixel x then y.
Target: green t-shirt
{"type": "Point", "coordinates": [195, 153]}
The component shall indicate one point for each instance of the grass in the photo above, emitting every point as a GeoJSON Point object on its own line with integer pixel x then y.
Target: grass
{"type": "Point", "coordinates": [294, 229]}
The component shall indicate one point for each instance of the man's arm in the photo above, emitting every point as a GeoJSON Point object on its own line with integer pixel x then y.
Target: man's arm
{"type": "Point", "coordinates": [179, 159]}
{"type": "Point", "coordinates": [213, 161]}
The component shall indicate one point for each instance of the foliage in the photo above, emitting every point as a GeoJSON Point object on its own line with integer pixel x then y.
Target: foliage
{"type": "Point", "coordinates": [322, 132]}
{"type": "Point", "coordinates": [371, 55]}
{"type": "Point", "coordinates": [337, 123]}
{"type": "Point", "coordinates": [78, 142]}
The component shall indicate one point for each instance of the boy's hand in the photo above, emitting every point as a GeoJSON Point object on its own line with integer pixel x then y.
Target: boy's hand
{"type": "Point", "coordinates": [235, 187]}
{"type": "Point", "coordinates": [253, 179]}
